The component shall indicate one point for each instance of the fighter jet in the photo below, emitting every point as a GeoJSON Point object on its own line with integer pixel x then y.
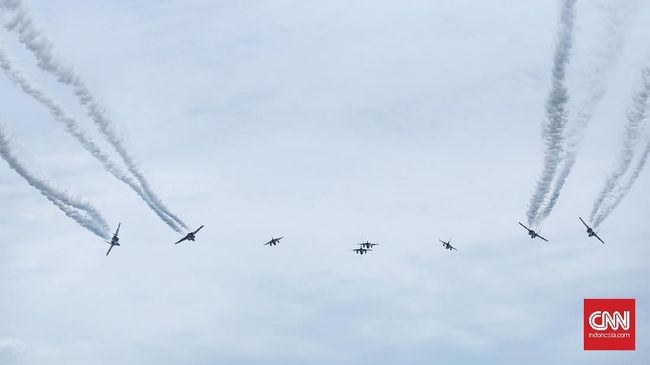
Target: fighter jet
{"type": "Point", "coordinates": [590, 232]}
{"type": "Point", "coordinates": [532, 233]}
{"type": "Point", "coordinates": [368, 244]}
{"type": "Point", "coordinates": [448, 245]}
{"type": "Point", "coordinates": [190, 236]}
{"type": "Point", "coordinates": [115, 241]}
{"type": "Point", "coordinates": [273, 241]}
{"type": "Point", "coordinates": [361, 250]}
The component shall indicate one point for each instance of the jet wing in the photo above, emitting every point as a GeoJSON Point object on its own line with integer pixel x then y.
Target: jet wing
{"type": "Point", "coordinates": [453, 248]}
{"type": "Point", "coordinates": [526, 228]}
{"type": "Point", "coordinates": [583, 222]}
{"type": "Point", "coordinates": [181, 240]}
{"type": "Point", "coordinates": [118, 229]}
{"type": "Point", "coordinates": [109, 249]}
{"type": "Point", "coordinates": [545, 240]}
{"type": "Point", "coordinates": [603, 242]}
{"type": "Point", "coordinates": [198, 229]}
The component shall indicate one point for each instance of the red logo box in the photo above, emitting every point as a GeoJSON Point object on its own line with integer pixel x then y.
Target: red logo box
{"type": "Point", "coordinates": [609, 324]}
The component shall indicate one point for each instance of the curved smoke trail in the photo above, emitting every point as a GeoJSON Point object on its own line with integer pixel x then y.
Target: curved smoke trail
{"type": "Point", "coordinates": [613, 189]}
{"type": "Point", "coordinates": [611, 43]}
{"type": "Point", "coordinates": [71, 126]}
{"type": "Point", "coordinates": [80, 211]}
{"type": "Point", "coordinates": [556, 114]}
{"type": "Point", "coordinates": [41, 47]}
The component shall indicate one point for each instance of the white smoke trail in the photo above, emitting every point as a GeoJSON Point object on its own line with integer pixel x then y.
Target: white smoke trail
{"type": "Point", "coordinates": [622, 189]}
{"type": "Point", "coordinates": [613, 189]}
{"type": "Point", "coordinates": [80, 211]}
{"type": "Point", "coordinates": [41, 47]}
{"type": "Point", "coordinates": [72, 127]}
{"type": "Point", "coordinates": [553, 131]}
{"type": "Point", "coordinates": [611, 44]}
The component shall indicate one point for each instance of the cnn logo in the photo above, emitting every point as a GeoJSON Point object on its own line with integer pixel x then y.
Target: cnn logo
{"type": "Point", "coordinates": [609, 324]}
{"type": "Point", "coordinates": [602, 321]}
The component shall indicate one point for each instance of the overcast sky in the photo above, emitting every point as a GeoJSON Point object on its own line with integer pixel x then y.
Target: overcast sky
{"type": "Point", "coordinates": [330, 123]}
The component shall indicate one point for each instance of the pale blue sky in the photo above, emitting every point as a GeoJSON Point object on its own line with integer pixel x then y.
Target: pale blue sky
{"type": "Point", "coordinates": [330, 123]}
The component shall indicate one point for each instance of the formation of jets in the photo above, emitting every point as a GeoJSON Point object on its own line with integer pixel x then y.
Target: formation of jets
{"type": "Point", "coordinates": [115, 241]}
{"type": "Point", "coordinates": [590, 232]}
{"type": "Point", "coordinates": [363, 248]}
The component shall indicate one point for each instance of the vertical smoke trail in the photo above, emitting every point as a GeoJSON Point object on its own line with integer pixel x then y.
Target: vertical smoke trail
{"type": "Point", "coordinates": [73, 128]}
{"type": "Point", "coordinates": [36, 42]}
{"type": "Point", "coordinates": [556, 113]}
{"type": "Point", "coordinates": [81, 212]}
{"type": "Point", "coordinates": [631, 133]}
{"type": "Point", "coordinates": [611, 43]}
